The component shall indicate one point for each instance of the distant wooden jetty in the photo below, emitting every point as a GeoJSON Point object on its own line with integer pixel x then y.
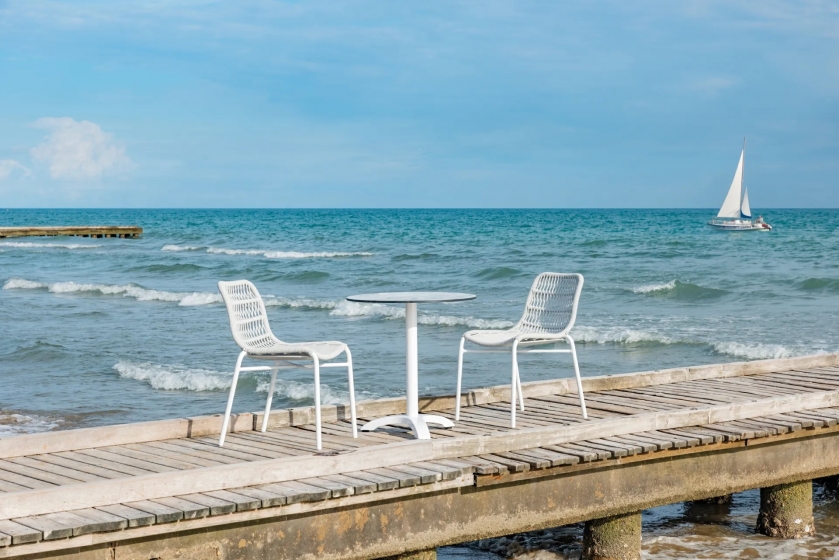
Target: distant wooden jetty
{"type": "Point", "coordinates": [123, 232]}
{"type": "Point", "coordinates": [164, 489]}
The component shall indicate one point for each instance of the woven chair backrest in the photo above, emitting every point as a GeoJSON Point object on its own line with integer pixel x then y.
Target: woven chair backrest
{"type": "Point", "coordinates": [246, 311]}
{"type": "Point", "coordinates": [551, 306]}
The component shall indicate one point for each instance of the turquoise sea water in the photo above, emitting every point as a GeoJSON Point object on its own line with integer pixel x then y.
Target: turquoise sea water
{"type": "Point", "coordinates": [98, 331]}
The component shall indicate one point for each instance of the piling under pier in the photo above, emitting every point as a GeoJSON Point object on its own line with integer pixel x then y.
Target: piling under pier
{"type": "Point", "coordinates": [123, 232]}
{"type": "Point", "coordinates": [653, 438]}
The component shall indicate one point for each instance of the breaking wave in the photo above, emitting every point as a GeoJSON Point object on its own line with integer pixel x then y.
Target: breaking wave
{"type": "Point", "coordinates": [618, 335]}
{"type": "Point", "coordinates": [14, 424]}
{"type": "Point", "coordinates": [267, 254]}
{"type": "Point", "coordinates": [177, 248]}
{"type": "Point", "coordinates": [621, 335]}
{"type": "Point", "coordinates": [818, 285]}
{"type": "Point", "coordinates": [679, 290]}
{"type": "Point", "coordinates": [126, 290]}
{"type": "Point", "coordinates": [169, 377]}
{"type": "Point", "coordinates": [30, 245]}
{"type": "Point", "coordinates": [753, 351]}
{"type": "Point", "coordinates": [354, 309]}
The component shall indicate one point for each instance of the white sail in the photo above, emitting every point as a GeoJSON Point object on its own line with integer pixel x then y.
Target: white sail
{"type": "Point", "coordinates": [745, 211]}
{"type": "Point", "coordinates": [731, 205]}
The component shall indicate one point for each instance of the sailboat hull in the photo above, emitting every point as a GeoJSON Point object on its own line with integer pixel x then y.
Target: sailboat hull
{"type": "Point", "coordinates": [739, 225]}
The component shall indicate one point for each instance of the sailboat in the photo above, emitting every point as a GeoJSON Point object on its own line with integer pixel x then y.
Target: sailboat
{"type": "Point", "coordinates": [735, 213]}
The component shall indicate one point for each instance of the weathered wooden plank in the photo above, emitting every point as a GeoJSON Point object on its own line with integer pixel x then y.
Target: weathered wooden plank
{"type": "Point", "coordinates": [51, 526]}
{"type": "Point", "coordinates": [19, 534]}
{"type": "Point", "coordinates": [93, 520]}
{"type": "Point", "coordinates": [381, 482]}
{"type": "Point", "coordinates": [242, 501]}
{"type": "Point", "coordinates": [188, 508]}
{"type": "Point", "coordinates": [358, 485]}
{"type": "Point", "coordinates": [217, 506]}
{"type": "Point", "coordinates": [54, 468]}
{"type": "Point", "coordinates": [134, 517]}
{"type": "Point", "coordinates": [296, 491]}
{"type": "Point", "coordinates": [267, 499]}
{"type": "Point", "coordinates": [161, 512]}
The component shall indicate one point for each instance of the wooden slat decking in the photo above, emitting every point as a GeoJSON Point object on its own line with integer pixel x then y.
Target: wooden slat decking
{"type": "Point", "coordinates": [700, 412]}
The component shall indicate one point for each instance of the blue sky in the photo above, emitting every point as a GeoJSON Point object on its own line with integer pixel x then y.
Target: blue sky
{"type": "Point", "coordinates": [417, 104]}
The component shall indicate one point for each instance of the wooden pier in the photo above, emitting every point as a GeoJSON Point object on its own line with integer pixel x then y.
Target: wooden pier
{"type": "Point", "coordinates": [164, 489]}
{"type": "Point", "coordinates": [123, 232]}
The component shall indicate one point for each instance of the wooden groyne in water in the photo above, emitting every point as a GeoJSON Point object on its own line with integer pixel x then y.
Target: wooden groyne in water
{"type": "Point", "coordinates": [164, 489]}
{"type": "Point", "coordinates": [73, 231]}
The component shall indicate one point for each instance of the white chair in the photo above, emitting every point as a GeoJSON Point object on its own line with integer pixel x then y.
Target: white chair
{"type": "Point", "coordinates": [549, 315]}
{"type": "Point", "coordinates": [249, 325]}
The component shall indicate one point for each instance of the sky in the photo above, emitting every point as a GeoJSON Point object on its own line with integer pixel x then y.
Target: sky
{"type": "Point", "coordinates": [417, 103]}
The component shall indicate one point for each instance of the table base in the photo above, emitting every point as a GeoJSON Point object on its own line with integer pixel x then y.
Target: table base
{"type": "Point", "coordinates": [418, 423]}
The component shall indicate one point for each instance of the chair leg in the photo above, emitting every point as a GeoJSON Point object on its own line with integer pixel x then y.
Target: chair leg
{"type": "Point", "coordinates": [270, 397]}
{"type": "Point", "coordinates": [518, 384]}
{"type": "Point", "coordinates": [226, 422]}
{"type": "Point", "coordinates": [459, 377]}
{"type": "Point", "coordinates": [513, 389]}
{"type": "Point", "coordinates": [352, 393]}
{"type": "Point", "coordinates": [577, 374]}
{"type": "Point", "coordinates": [317, 402]}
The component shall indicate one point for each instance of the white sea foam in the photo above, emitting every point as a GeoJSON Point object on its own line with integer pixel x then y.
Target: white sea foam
{"type": "Point", "coordinates": [619, 335]}
{"type": "Point", "coordinates": [299, 303]}
{"type": "Point", "coordinates": [286, 254]}
{"type": "Point", "coordinates": [13, 424]}
{"type": "Point", "coordinates": [296, 391]}
{"type": "Point", "coordinates": [354, 309]}
{"type": "Point", "coordinates": [22, 284]}
{"type": "Point", "coordinates": [181, 248]}
{"type": "Point", "coordinates": [173, 377]}
{"type": "Point", "coordinates": [650, 288]}
{"type": "Point", "coordinates": [30, 245]}
{"type": "Point", "coordinates": [753, 351]}
{"type": "Point", "coordinates": [125, 290]}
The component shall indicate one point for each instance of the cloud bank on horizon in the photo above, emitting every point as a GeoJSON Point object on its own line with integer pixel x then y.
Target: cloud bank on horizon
{"type": "Point", "coordinates": [417, 104]}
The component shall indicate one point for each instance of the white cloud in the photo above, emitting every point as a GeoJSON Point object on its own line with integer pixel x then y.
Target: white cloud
{"type": "Point", "coordinates": [10, 166]}
{"type": "Point", "coordinates": [79, 149]}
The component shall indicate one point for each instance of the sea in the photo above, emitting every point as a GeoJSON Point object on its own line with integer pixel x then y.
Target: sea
{"type": "Point", "coordinates": [105, 331]}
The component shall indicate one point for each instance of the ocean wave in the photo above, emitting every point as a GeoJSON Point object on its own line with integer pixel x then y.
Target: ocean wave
{"type": "Point", "coordinates": [818, 285]}
{"type": "Point", "coordinates": [296, 391]}
{"type": "Point", "coordinates": [355, 309]}
{"type": "Point", "coordinates": [671, 285]}
{"type": "Point", "coordinates": [30, 245]}
{"type": "Point", "coordinates": [753, 351]}
{"type": "Point", "coordinates": [497, 273]}
{"type": "Point", "coordinates": [619, 335]}
{"type": "Point", "coordinates": [679, 290]}
{"type": "Point", "coordinates": [266, 253]}
{"type": "Point", "coordinates": [175, 377]}
{"type": "Point", "coordinates": [126, 290]}
{"type": "Point", "coordinates": [287, 254]}
{"type": "Point", "coordinates": [15, 424]}
{"type": "Point", "coordinates": [298, 303]}
{"type": "Point", "coordinates": [178, 248]}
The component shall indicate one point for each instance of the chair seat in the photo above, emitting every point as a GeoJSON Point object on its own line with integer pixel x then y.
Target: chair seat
{"type": "Point", "coordinates": [323, 350]}
{"type": "Point", "coordinates": [506, 338]}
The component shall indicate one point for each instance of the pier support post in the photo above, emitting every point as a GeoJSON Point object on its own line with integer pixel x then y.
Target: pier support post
{"type": "Point", "coordinates": [786, 510]}
{"type": "Point", "coordinates": [430, 554]}
{"type": "Point", "coordinates": [613, 538]}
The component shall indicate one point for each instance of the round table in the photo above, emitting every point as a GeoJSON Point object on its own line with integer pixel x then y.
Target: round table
{"type": "Point", "coordinates": [412, 418]}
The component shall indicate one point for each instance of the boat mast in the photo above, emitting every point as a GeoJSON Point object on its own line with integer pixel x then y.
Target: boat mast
{"type": "Point", "coordinates": [743, 176]}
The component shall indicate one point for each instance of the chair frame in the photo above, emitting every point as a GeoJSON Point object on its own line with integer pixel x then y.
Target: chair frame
{"type": "Point", "coordinates": [521, 345]}
{"type": "Point", "coordinates": [280, 361]}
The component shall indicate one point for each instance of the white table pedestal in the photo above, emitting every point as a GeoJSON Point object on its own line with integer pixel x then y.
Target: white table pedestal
{"type": "Point", "coordinates": [412, 418]}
